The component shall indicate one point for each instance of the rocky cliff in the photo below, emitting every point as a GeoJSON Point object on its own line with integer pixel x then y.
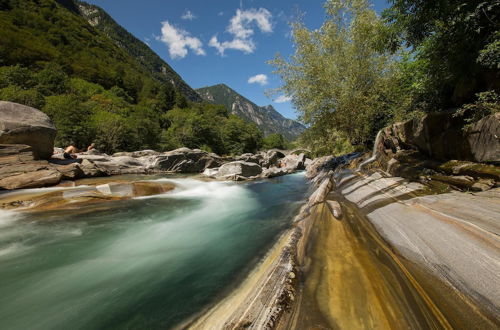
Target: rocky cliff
{"type": "Point", "coordinates": [266, 118]}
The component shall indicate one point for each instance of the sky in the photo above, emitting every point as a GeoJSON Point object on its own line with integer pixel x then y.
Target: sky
{"type": "Point", "coordinates": [208, 42]}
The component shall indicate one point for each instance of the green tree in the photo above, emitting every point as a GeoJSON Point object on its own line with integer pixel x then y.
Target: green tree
{"type": "Point", "coordinates": [84, 88]}
{"type": "Point", "coordinates": [16, 75]}
{"type": "Point", "coordinates": [240, 137]}
{"type": "Point", "coordinates": [29, 97]}
{"type": "Point", "coordinates": [146, 128]}
{"type": "Point", "coordinates": [456, 44]}
{"type": "Point", "coordinates": [72, 120]}
{"type": "Point", "coordinates": [167, 98]}
{"type": "Point", "coordinates": [112, 132]}
{"type": "Point", "coordinates": [275, 141]}
{"type": "Point", "coordinates": [52, 80]}
{"type": "Point", "coordinates": [181, 101]}
{"type": "Point", "coordinates": [341, 74]}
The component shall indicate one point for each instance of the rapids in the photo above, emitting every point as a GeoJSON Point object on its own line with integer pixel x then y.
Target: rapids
{"type": "Point", "coordinates": [148, 262]}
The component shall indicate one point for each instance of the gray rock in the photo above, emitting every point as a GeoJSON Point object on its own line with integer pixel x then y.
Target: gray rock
{"type": "Point", "coordinates": [271, 158]}
{"type": "Point", "coordinates": [293, 162]}
{"type": "Point", "coordinates": [91, 170]}
{"type": "Point", "coordinates": [137, 154]}
{"type": "Point", "coordinates": [183, 160]}
{"type": "Point", "coordinates": [20, 124]}
{"type": "Point", "coordinates": [250, 158]}
{"type": "Point", "coordinates": [273, 172]}
{"type": "Point", "coordinates": [441, 136]}
{"type": "Point", "coordinates": [239, 169]}
{"type": "Point", "coordinates": [211, 172]}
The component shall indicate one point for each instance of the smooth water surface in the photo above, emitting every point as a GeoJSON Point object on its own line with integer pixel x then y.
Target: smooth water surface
{"type": "Point", "coordinates": [142, 263]}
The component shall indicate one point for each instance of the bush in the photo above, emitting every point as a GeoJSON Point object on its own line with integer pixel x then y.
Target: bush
{"type": "Point", "coordinates": [29, 97]}
{"type": "Point", "coordinates": [72, 119]}
{"type": "Point", "coordinates": [275, 141]}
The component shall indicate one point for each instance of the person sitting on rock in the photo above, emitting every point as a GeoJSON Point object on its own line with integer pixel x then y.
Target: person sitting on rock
{"type": "Point", "coordinates": [91, 147]}
{"type": "Point", "coordinates": [70, 151]}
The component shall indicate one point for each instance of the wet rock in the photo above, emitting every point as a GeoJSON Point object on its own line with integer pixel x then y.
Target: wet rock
{"type": "Point", "coordinates": [83, 196]}
{"type": "Point", "coordinates": [35, 179]}
{"type": "Point", "coordinates": [273, 172]}
{"type": "Point", "coordinates": [211, 172]}
{"type": "Point", "coordinates": [460, 181]}
{"type": "Point", "coordinates": [335, 208]}
{"type": "Point", "coordinates": [319, 195]}
{"type": "Point", "coordinates": [20, 124]}
{"type": "Point", "coordinates": [238, 169]}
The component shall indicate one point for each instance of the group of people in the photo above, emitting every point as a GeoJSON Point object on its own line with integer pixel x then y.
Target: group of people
{"type": "Point", "coordinates": [71, 151]}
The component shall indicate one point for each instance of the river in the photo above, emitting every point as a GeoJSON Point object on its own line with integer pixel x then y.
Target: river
{"type": "Point", "coordinates": [139, 263]}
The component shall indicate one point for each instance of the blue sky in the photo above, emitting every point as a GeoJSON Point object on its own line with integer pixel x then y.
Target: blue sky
{"type": "Point", "coordinates": [221, 41]}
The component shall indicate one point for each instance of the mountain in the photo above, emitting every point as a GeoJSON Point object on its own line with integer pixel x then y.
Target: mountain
{"type": "Point", "coordinates": [100, 20]}
{"type": "Point", "coordinates": [266, 118]}
{"type": "Point", "coordinates": [85, 41]}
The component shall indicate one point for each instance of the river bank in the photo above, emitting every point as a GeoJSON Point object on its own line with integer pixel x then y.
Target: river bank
{"type": "Point", "coordinates": [401, 254]}
{"type": "Point", "coordinates": [372, 250]}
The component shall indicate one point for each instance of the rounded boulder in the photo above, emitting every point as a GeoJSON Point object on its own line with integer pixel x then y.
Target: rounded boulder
{"type": "Point", "coordinates": [20, 124]}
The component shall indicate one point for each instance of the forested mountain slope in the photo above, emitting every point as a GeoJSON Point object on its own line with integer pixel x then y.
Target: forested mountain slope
{"type": "Point", "coordinates": [85, 41]}
{"type": "Point", "coordinates": [99, 19]}
{"type": "Point", "coordinates": [266, 118]}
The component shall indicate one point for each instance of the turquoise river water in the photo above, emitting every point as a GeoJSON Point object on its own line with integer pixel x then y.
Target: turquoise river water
{"type": "Point", "coordinates": [143, 263]}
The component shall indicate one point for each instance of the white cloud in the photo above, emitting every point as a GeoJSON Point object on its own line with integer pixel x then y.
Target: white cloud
{"type": "Point", "coordinates": [178, 41]}
{"type": "Point", "coordinates": [242, 27]}
{"type": "Point", "coordinates": [246, 46]}
{"type": "Point", "coordinates": [282, 99]}
{"type": "Point", "coordinates": [240, 24]}
{"type": "Point", "coordinates": [260, 79]}
{"type": "Point", "coordinates": [188, 15]}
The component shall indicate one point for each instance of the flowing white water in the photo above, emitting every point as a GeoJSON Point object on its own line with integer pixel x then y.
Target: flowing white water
{"type": "Point", "coordinates": [143, 263]}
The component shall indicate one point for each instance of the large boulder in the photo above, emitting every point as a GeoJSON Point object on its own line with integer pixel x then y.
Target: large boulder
{"type": "Point", "coordinates": [111, 165]}
{"type": "Point", "coordinates": [273, 172]}
{"type": "Point", "coordinates": [271, 158]}
{"type": "Point", "coordinates": [250, 158]}
{"type": "Point", "coordinates": [182, 160]}
{"type": "Point", "coordinates": [483, 139]}
{"type": "Point", "coordinates": [20, 124]}
{"type": "Point", "coordinates": [442, 136]}
{"type": "Point", "coordinates": [239, 169]}
{"type": "Point", "coordinates": [293, 162]}
{"type": "Point", "coordinates": [37, 179]}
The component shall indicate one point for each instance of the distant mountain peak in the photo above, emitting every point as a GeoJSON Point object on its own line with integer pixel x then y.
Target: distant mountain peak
{"type": "Point", "coordinates": [265, 117]}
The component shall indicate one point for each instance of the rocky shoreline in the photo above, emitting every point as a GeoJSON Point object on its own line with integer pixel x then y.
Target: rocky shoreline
{"type": "Point", "coordinates": [440, 234]}
{"type": "Point", "coordinates": [20, 169]}
{"type": "Point", "coordinates": [28, 158]}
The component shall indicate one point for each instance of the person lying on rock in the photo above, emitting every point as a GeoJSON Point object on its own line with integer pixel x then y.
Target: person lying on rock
{"type": "Point", "coordinates": [70, 151]}
{"type": "Point", "coordinates": [91, 147]}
